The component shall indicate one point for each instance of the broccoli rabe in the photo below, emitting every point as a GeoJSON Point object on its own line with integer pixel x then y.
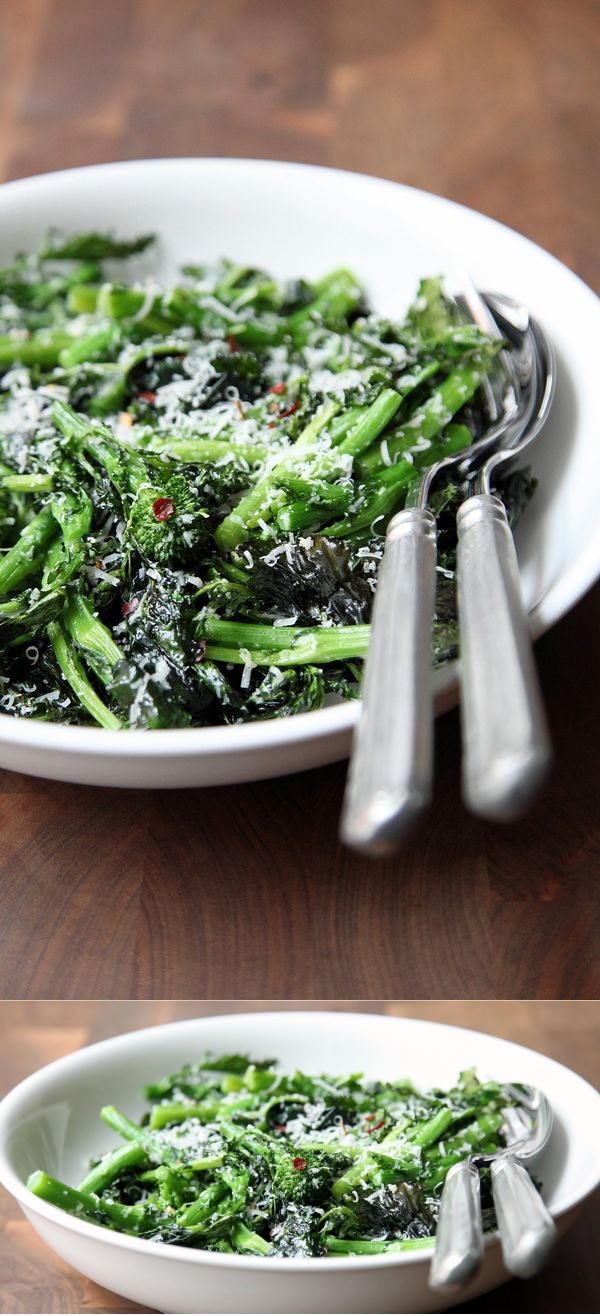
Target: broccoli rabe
{"type": "Point", "coordinates": [241, 1156]}
{"type": "Point", "coordinates": [195, 481]}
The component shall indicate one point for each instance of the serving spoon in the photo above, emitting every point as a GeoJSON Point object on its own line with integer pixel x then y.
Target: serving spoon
{"type": "Point", "coordinates": [390, 775]}
{"type": "Point", "coordinates": [527, 1231]}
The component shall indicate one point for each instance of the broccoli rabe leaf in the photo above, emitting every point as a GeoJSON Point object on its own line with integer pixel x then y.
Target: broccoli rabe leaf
{"type": "Point", "coordinates": [93, 246]}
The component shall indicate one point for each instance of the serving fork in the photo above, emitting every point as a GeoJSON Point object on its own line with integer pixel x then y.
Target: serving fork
{"type": "Point", "coordinates": [527, 1231]}
{"type": "Point", "coordinates": [506, 744]}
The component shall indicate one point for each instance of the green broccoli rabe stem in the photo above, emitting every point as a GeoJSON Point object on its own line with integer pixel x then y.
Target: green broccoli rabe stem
{"type": "Point", "coordinates": [82, 299]}
{"type": "Point", "coordinates": [431, 313]}
{"type": "Point", "coordinates": [75, 675]}
{"type": "Point", "coordinates": [337, 295]}
{"type": "Point", "coordinates": [168, 310]}
{"type": "Point", "coordinates": [90, 635]}
{"type": "Point", "coordinates": [305, 653]}
{"type": "Point", "coordinates": [313, 504]}
{"type": "Point", "coordinates": [123, 466]}
{"type": "Point", "coordinates": [131, 1131]}
{"type": "Point", "coordinates": [380, 1165]}
{"type": "Point", "coordinates": [244, 634]}
{"type": "Point", "coordinates": [372, 423]}
{"type": "Point", "coordinates": [24, 558]}
{"type": "Point", "coordinates": [110, 1166]}
{"type": "Point", "coordinates": [386, 488]}
{"type": "Point", "coordinates": [73, 510]}
{"type": "Point", "coordinates": [231, 286]}
{"type": "Point", "coordinates": [282, 646]}
{"type": "Point", "coordinates": [196, 1214]}
{"type": "Point", "coordinates": [175, 1112]}
{"type": "Point", "coordinates": [75, 1202]}
{"type": "Point", "coordinates": [122, 303]}
{"type": "Point", "coordinates": [207, 1162]}
{"type": "Point", "coordinates": [70, 423]}
{"type": "Point", "coordinates": [486, 1125]}
{"type": "Point", "coordinates": [93, 347]}
{"type": "Point", "coordinates": [244, 1240]}
{"type": "Point", "coordinates": [128, 1218]}
{"type": "Point", "coordinates": [208, 449]}
{"type": "Point", "coordinates": [432, 1129]}
{"type": "Point", "coordinates": [432, 416]}
{"type": "Point", "coordinates": [171, 1188]}
{"type": "Point", "coordinates": [205, 1111]}
{"type": "Point", "coordinates": [380, 498]}
{"type": "Point", "coordinates": [42, 348]}
{"type": "Point", "coordinates": [256, 504]}
{"type": "Point", "coordinates": [349, 1246]}
{"type": "Point", "coordinates": [343, 424]}
{"type": "Point", "coordinates": [267, 331]}
{"type": "Point", "coordinates": [185, 306]}
{"type": "Point", "coordinates": [60, 563]}
{"type": "Point", "coordinates": [27, 483]}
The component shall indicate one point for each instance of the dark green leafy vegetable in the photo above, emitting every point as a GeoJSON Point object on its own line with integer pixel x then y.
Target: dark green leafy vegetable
{"type": "Point", "coordinates": [239, 1156]}
{"type": "Point", "coordinates": [195, 482]}
{"type": "Point", "coordinates": [93, 246]}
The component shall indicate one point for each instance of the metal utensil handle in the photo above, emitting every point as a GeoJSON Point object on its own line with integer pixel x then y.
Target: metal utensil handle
{"type": "Point", "coordinates": [506, 747]}
{"type": "Point", "coordinates": [459, 1237]}
{"type": "Point", "coordinates": [527, 1231]}
{"type": "Point", "coordinates": [390, 770]}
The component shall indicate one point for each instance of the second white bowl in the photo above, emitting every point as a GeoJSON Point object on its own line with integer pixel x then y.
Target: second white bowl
{"type": "Point", "coordinates": [51, 1122]}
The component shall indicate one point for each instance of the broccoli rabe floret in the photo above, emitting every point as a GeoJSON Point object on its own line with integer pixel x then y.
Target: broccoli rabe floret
{"type": "Point", "coordinates": [306, 1178]}
{"type": "Point", "coordinates": [168, 522]}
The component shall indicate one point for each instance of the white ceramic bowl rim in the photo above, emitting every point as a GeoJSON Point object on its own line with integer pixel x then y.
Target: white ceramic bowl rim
{"type": "Point", "coordinates": [78, 1058]}
{"type": "Point", "coordinates": [324, 722]}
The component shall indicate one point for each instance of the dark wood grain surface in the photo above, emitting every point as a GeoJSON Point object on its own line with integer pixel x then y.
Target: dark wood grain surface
{"type": "Point", "coordinates": [245, 891]}
{"type": "Point", "coordinates": [33, 1033]}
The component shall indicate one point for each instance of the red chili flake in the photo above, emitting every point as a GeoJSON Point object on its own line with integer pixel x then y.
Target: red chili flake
{"type": "Point", "coordinates": [279, 1127]}
{"type": "Point", "coordinates": [146, 396]}
{"type": "Point", "coordinates": [163, 508]}
{"type": "Point", "coordinates": [232, 343]}
{"type": "Point", "coordinates": [201, 650]}
{"type": "Point", "coordinates": [299, 1163]}
{"type": "Point", "coordinates": [377, 1125]}
{"type": "Point", "coordinates": [131, 605]}
{"type": "Point", "coordinates": [271, 425]}
{"type": "Point", "coordinates": [368, 1117]}
{"type": "Point", "coordinates": [278, 388]}
{"type": "Point", "coordinates": [290, 411]}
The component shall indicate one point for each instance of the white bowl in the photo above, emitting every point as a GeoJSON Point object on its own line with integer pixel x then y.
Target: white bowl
{"type": "Point", "coordinates": [301, 219]}
{"type": "Point", "coordinates": [51, 1122]}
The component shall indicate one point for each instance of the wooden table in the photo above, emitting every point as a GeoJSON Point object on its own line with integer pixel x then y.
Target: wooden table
{"type": "Point", "coordinates": [245, 891]}
{"type": "Point", "coordinates": [33, 1033]}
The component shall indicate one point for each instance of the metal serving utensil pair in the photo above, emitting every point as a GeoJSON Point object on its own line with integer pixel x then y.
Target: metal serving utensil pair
{"type": "Point", "coordinates": [527, 1231]}
{"type": "Point", "coordinates": [506, 747]}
